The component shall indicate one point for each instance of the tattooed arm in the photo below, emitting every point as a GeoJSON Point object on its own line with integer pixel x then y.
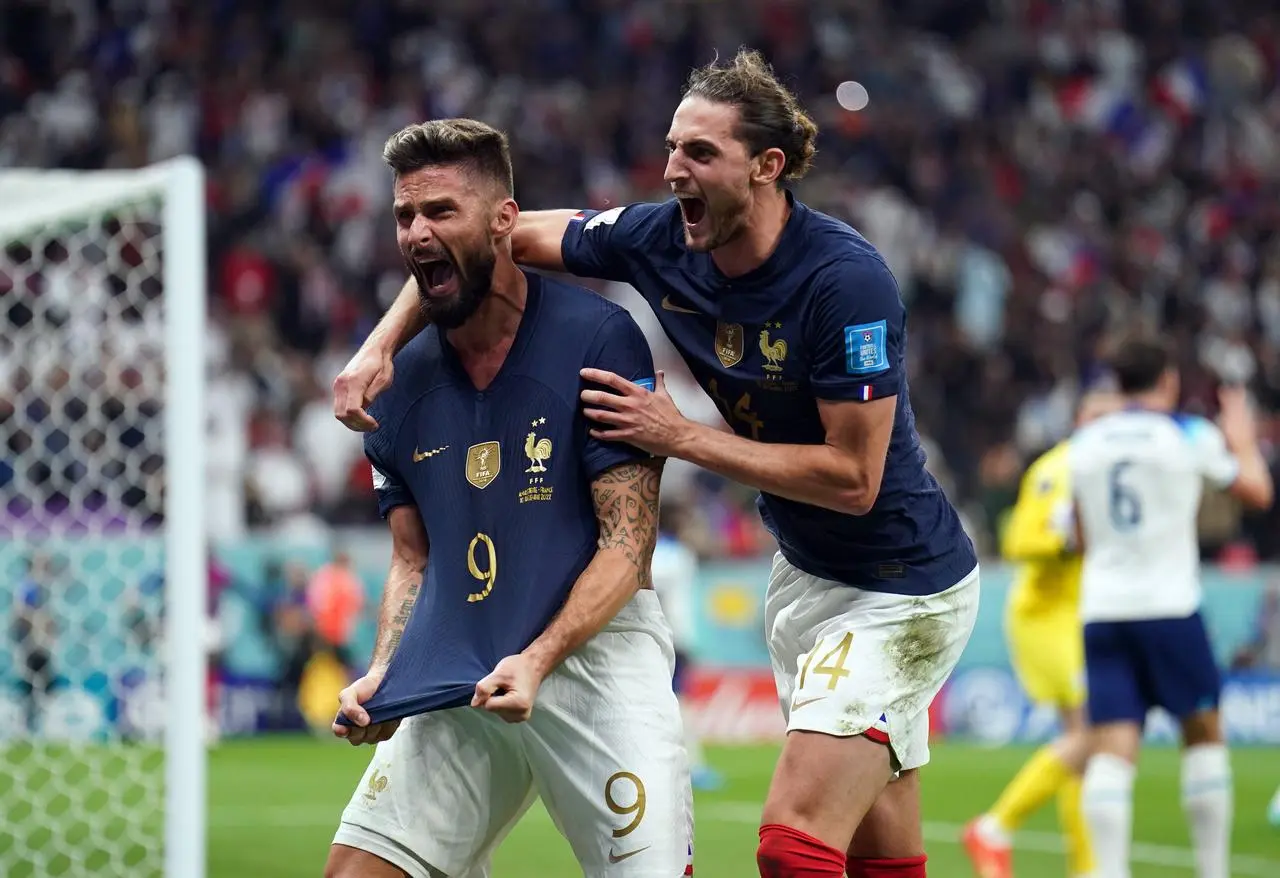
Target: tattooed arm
{"type": "Point", "coordinates": [404, 581]}
{"type": "Point", "coordinates": [409, 547]}
{"type": "Point", "coordinates": [626, 501]}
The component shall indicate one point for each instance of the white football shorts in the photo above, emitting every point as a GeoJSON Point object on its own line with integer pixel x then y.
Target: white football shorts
{"type": "Point", "coordinates": [604, 749]}
{"type": "Point", "coordinates": [847, 661]}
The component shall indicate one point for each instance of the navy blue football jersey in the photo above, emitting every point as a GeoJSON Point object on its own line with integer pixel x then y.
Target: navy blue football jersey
{"type": "Point", "coordinates": [820, 319]}
{"type": "Point", "coordinates": [502, 480]}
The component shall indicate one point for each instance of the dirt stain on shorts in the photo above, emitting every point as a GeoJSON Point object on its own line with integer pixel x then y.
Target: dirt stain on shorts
{"type": "Point", "coordinates": [918, 644]}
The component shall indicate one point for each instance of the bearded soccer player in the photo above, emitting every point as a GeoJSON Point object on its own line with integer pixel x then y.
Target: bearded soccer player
{"type": "Point", "coordinates": [1046, 646]}
{"type": "Point", "coordinates": [519, 637]}
{"type": "Point", "coordinates": [793, 323]}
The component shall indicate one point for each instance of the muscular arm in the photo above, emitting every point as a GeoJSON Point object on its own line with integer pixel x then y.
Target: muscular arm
{"type": "Point", "coordinates": [536, 242]}
{"type": "Point", "coordinates": [626, 502]}
{"type": "Point", "coordinates": [1252, 486]}
{"type": "Point", "coordinates": [409, 547]}
{"type": "Point", "coordinates": [843, 474]}
{"type": "Point", "coordinates": [403, 320]}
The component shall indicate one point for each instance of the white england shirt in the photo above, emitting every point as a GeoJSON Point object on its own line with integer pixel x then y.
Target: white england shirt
{"type": "Point", "coordinates": [1137, 476]}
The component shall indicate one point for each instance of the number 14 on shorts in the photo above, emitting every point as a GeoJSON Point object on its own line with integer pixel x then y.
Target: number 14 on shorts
{"type": "Point", "coordinates": [826, 660]}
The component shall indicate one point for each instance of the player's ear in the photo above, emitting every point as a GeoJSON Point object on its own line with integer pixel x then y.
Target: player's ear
{"type": "Point", "coordinates": [504, 218]}
{"type": "Point", "coordinates": [767, 167]}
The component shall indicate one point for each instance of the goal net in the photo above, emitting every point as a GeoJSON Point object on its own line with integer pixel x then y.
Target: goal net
{"type": "Point", "coordinates": [102, 568]}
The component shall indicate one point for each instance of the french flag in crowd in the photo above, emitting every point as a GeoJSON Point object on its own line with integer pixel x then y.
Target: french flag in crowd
{"type": "Point", "coordinates": [1115, 111]}
{"type": "Point", "coordinates": [1103, 107]}
{"type": "Point", "coordinates": [1182, 89]}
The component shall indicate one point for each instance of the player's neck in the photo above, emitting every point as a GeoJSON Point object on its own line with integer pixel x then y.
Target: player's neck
{"type": "Point", "coordinates": [1155, 401]}
{"type": "Point", "coordinates": [495, 322]}
{"type": "Point", "coordinates": [765, 222]}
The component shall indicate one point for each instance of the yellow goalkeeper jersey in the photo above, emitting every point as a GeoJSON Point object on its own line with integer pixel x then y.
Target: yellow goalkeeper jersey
{"type": "Point", "coordinates": [1039, 536]}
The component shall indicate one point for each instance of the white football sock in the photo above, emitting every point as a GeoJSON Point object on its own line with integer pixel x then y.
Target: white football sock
{"type": "Point", "coordinates": [1207, 801]}
{"type": "Point", "coordinates": [1107, 795]}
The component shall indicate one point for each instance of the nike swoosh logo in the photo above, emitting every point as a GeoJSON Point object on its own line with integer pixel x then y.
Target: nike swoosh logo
{"type": "Point", "coordinates": [418, 457]}
{"type": "Point", "coordinates": [618, 858]}
{"type": "Point", "coordinates": [806, 702]}
{"type": "Point", "coordinates": [668, 305]}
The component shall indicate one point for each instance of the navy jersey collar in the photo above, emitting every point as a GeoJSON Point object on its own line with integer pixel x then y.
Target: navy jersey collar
{"type": "Point", "coordinates": [757, 295]}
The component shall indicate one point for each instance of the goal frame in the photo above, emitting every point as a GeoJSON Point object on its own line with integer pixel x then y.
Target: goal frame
{"type": "Point", "coordinates": [28, 197]}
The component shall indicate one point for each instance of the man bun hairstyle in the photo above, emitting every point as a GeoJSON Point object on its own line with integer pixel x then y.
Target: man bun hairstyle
{"type": "Point", "coordinates": [480, 148]}
{"type": "Point", "coordinates": [769, 114]}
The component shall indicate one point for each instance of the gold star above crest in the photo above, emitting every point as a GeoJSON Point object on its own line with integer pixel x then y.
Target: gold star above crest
{"type": "Point", "coordinates": [537, 422]}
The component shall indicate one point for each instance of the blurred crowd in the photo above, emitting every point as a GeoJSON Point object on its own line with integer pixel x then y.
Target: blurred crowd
{"type": "Point", "coordinates": [1035, 172]}
{"type": "Point", "coordinates": [291, 626]}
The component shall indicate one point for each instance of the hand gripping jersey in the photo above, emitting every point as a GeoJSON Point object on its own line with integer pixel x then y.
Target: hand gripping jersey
{"type": "Point", "coordinates": [820, 319]}
{"type": "Point", "coordinates": [502, 479]}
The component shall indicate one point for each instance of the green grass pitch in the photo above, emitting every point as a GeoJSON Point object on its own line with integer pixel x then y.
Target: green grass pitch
{"type": "Point", "coordinates": [274, 803]}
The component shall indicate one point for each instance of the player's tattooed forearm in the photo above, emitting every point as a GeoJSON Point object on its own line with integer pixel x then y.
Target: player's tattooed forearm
{"type": "Point", "coordinates": [626, 501]}
{"type": "Point", "coordinates": [397, 624]}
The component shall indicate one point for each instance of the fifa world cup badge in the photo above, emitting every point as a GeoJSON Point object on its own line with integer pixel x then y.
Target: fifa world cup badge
{"type": "Point", "coordinates": [484, 462]}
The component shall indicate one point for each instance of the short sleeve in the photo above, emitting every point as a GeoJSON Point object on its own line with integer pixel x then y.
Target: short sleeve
{"type": "Point", "coordinates": [603, 243]}
{"type": "Point", "coordinates": [1215, 462]}
{"type": "Point", "coordinates": [619, 347]}
{"type": "Point", "coordinates": [856, 329]}
{"type": "Point", "coordinates": [390, 489]}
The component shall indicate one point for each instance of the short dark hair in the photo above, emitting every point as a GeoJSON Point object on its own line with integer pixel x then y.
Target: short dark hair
{"type": "Point", "coordinates": [769, 114]}
{"type": "Point", "coordinates": [1138, 360]}
{"type": "Point", "coordinates": [481, 148]}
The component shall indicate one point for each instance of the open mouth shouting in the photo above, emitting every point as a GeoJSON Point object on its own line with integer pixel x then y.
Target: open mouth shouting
{"type": "Point", "coordinates": [439, 275]}
{"type": "Point", "coordinates": [694, 210]}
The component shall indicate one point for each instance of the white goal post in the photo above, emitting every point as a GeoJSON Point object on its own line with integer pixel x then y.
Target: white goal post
{"type": "Point", "coordinates": [103, 576]}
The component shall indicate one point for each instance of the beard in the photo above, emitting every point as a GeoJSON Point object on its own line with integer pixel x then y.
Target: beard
{"type": "Point", "coordinates": [471, 274]}
{"type": "Point", "coordinates": [726, 226]}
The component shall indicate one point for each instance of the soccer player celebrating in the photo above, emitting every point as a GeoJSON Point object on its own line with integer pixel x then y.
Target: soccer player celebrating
{"type": "Point", "coordinates": [791, 321]}
{"type": "Point", "coordinates": [1042, 621]}
{"type": "Point", "coordinates": [518, 631]}
{"type": "Point", "coordinates": [1137, 477]}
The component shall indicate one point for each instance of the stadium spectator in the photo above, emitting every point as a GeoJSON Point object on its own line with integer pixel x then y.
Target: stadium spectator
{"type": "Point", "coordinates": [335, 597]}
{"type": "Point", "coordinates": [292, 631]}
{"type": "Point", "coordinates": [35, 636]}
{"type": "Point", "coordinates": [1033, 172]}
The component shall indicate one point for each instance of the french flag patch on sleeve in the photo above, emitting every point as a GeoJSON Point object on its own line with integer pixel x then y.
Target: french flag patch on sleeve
{"type": "Point", "coordinates": [867, 393]}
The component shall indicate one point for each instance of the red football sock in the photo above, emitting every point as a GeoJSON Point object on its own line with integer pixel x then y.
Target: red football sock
{"type": "Point", "coordinates": [789, 853]}
{"type": "Point", "coordinates": [903, 867]}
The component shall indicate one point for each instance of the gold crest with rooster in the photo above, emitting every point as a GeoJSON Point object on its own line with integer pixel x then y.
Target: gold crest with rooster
{"type": "Point", "coordinates": [537, 450]}
{"type": "Point", "coordinates": [774, 351]}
